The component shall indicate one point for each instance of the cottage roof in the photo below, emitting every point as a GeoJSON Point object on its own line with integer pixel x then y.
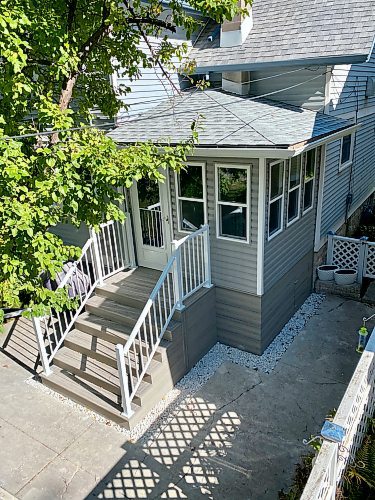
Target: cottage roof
{"type": "Point", "coordinates": [309, 31]}
{"type": "Point", "coordinates": [228, 120]}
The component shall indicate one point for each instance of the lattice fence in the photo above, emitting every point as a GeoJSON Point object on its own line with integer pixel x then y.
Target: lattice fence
{"type": "Point", "coordinates": [351, 253]}
{"type": "Point", "coordinates": [369, 270]}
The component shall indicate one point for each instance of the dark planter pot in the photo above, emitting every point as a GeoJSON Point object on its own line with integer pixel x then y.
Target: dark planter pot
{"type": "Point", "coordinates": [345, 276]}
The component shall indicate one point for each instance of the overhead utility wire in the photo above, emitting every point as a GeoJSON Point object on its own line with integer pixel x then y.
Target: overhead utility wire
{"type": "Point", "coordinates": [128, 120]}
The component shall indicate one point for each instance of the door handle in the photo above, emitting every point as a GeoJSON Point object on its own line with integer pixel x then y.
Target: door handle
{"type": "Point", "coordinates": [166, 218]}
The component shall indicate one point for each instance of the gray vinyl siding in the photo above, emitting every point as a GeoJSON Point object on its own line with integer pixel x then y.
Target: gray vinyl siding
{"type": "Point", "coordinates": [286, 249]}
{"type": "Point", "coordinates": [347, 95]}
{"type": "Point", "coordinates": [238, 319]}
{"type": "Point", "coordinates": [337, 184]}
{"type": "Point", "coordinates": [285, 297]}
{"type": "Point", "coordinates": [309, 95]}
{"type": "Point", "coordinates": [233, 264]}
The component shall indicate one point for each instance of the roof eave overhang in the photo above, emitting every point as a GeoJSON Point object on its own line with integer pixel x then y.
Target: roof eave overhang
{"type": "Point", "coordinates": [309, 61]}
{"type": "Point", "coordinates": [318, 141]}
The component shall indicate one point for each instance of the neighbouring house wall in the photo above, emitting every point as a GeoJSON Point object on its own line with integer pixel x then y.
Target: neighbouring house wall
{"type": "Point", "coordinates": [71, 235]}
{"type": "Point", "coordinates": [233, 264]}
{"type": "Point", "coordinates": [305, 88]}
{"type": "Point", "coordinates": [348, 97]}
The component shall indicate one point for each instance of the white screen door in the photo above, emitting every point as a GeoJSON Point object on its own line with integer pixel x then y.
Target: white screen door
{"type": "Point", "coordinates": [151, 223]}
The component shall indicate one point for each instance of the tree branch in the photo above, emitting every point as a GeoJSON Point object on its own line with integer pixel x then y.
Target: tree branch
{"type": "Point", "coordinates": [153, 22]}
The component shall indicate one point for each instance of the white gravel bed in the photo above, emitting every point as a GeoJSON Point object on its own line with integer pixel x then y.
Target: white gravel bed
{"type": "Point", "coordinates": [178, 398]}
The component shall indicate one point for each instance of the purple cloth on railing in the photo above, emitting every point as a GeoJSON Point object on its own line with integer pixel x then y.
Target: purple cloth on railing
{"type": "Point", "coordinates": [78, 283]}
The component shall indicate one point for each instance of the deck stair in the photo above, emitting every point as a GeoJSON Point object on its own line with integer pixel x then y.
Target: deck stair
{"type": "Point", "coordinates": [85, 368]}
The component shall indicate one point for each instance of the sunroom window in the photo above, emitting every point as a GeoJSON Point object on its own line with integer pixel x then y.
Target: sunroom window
{"type": "Point", "coordinates": [232, 184]}
{"type": "Point", "coordinates": [309, 179]}
{"type": "Point", "coordinates": [294, 189]}
{"type": "Point", "coordinates": [191, 197]}
{"type": "Point", "coordinates": [276, 198]}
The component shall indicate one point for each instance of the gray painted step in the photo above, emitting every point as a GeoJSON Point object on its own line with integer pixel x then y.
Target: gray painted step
{"type": "Point", "coordinates": [70, 386]}
{"type": "Point", "coordinates": [108, 309]}
{"type": "Point", "coordinates": [102, 351]}
{"type": "Point", "coordinates": [123, 295]}
{"type": "Point", "coordinates": [96, 375]}
{"type": "Point", "coordinates": [113, 332]}
{"type": "Point", "coordinates": [119, 313]}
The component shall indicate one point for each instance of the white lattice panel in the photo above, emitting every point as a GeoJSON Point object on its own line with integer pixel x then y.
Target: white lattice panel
{"type": "Point", "coordinates": [370, 261]}
{"type": "Point", "coordinates": [345, 253]}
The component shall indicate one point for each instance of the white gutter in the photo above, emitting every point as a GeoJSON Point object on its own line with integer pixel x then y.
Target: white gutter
{"type": "Point", "coordinates": [243, 152]}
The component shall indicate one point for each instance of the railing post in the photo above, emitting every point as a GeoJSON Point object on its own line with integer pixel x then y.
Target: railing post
{"type": "Point", "coordinates": [333, 473]}
{"type": "Point", "coordinates": [207, 258]}
{"type": "Point", "coordinates": [124, 386]}
{"type": "Point", "coordinates": [41, 346]}
{"type": "Point", "coordinates": [98, 263]}
{"type": "Point", "coordinates": [129, 240]}
{"type": "Point", "coordinates": [177, 277]}
{"type": "Point", "coordinates": [331, 234]}
{"type": "Point", "coordinates": [362, 254]}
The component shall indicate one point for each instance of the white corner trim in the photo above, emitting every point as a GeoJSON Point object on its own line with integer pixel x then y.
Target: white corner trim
{"type": "Point", "coordinates": [319, 207]}
{"type": "Point", "coordinates": [261, 225]}
{"type": "Point", "coordinates": [327, 90]}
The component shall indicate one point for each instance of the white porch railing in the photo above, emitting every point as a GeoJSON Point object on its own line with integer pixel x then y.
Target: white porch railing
{"type": "Point", "coordinates": [356, 407]}
{"type": "Point", "coordinates": [187, 270]}
{"type": "Point", "coordinates": [358, 254]}
{"type": "Point", "coordinates": [104, 254]}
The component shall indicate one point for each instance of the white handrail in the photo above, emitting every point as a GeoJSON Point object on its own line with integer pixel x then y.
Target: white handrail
{"type": "Point", "coordinates": [175, 284]}
{"type": "Point", "coordinates": [102, 255]}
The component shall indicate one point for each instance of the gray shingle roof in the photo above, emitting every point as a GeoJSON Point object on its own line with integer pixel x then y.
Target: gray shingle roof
{"type": "Point", "coordinates": [227, 121]}
{"type": "Point", "coordinates": [287, 30]}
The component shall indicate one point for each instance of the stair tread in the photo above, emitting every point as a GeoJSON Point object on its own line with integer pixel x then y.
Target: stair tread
{"type": "Point", "coordinates": [75, 359]}
{"type": "Point", "coordinates": [114, 307]}
{"type": "Point", "coordinates": [84, 340]}
{"type": "Point", "coordinates": [125, 311]}
{"type": "Point", "coordinates": [84, 393]}
{"type": "Point", "coordinates": [119, 333]}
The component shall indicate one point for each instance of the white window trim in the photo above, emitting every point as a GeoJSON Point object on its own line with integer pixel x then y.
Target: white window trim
{"type": "Point", "coordinates": [282, 196]}
{"type": "Point", "coordinates": [183, 198]}
{"type": "Point", "coordinates": [313, 179]}
{"type": "Point", "coordinates": [290, 190]}
{"type": "Point", "coordinates": [347, 164]}
{"type": "Point", "coordinates": [218, 203]}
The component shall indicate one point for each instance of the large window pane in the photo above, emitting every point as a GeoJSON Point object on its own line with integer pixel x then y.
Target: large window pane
{"type": "Point", "coordinates": [274, 224]}
{"type": "Point", "coordinates": [277, 178]}
{"type": "Point", "coordinates": [308, 195]}
{"type": "Point", "coordinates": [233, 221]}
{"type": "Point", "coordinates": [295, 171]}
{"type": "Point", "coordinates": [345, 148]}
{"type": "Point", "coordinates": [310, 164]}
{"type": "Point", "coordinates": [233, 185]}
{"type": "Point", "coordinates": [293, 202]}
{"type": "Point", "coordinates": [191, 185]}
{"type": "Point", "coordinates": [192, 214]}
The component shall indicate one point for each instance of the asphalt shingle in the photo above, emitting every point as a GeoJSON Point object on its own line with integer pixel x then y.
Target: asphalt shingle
{"type": "Point", "coordinates": [288, 30]}
{"type": "Point", "coordinates": [227, 120]}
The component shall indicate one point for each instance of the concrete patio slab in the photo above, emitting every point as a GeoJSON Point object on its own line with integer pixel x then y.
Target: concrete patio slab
{"type": "Point", "coordinates": [238, 437]}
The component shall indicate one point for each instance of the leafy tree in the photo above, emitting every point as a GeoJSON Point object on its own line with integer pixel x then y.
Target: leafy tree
{"type": "Point", "coordinates": [55, 60]}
